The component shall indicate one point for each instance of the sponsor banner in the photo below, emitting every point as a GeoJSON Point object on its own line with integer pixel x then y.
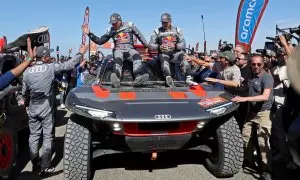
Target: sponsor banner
{"type": "Point", "coordinates": [86, 20]}
{"type": "Point", "coordinates": [249, 15]}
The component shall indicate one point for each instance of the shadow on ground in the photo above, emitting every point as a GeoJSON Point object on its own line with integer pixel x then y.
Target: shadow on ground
{"type": "Point", "coordinates": [24, 158]}
{"type": "Point", "coordinates": [61, 120]}
{"type": "Point", "coordinates": [138, 161]}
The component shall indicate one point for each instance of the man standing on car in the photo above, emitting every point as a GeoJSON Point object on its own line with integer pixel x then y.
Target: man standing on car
{"type": "Point", "coordinates": [38, 80]}
{"type": "Point", "coordinates": [261, 99]}
{"type": "Point", "coordinates": [122, 35]}
{"type": "Point", "coordinates": [168, 40]}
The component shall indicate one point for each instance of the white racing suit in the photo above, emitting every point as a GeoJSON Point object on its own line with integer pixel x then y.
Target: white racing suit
{"type": "Point", "coordinates": [124, 49]}
{"type": "Point", "coordinates": [174, 36]}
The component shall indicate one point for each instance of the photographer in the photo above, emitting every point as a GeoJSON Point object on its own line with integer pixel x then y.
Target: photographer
{"type": "Point", "coordinates": [85, 71]}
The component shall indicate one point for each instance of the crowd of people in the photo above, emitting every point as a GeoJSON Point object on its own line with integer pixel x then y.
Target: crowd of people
{"type": "Point", "coordinates": [258, 82]}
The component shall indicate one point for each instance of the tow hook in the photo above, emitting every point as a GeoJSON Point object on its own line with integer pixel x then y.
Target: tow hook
{"type": "Point", "coordinates": [154, 156]}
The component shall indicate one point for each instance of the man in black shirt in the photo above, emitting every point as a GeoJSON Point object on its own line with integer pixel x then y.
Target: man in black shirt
{"type": "Point", "coordinates": [243, 90]}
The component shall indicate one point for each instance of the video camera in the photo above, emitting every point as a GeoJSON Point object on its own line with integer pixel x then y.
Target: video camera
{"type": "Point", "coordinates": [295, 30]}
{"type": "Point", "coordinates": [226, 47]}
{"type": "Point", "coordinates": [267, 52]}
{"type": "Point", "coordinates": [276, 39]}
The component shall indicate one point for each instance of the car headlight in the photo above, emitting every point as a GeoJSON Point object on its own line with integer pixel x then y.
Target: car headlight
{"type": "Point", "coordinates": [219, 109]}
{"type": "Point", "coordinates": [102, 114]}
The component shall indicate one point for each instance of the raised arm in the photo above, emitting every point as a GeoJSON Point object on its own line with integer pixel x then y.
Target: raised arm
{"type": "Point", "coordinates": [98, 40]}
{"type": "Point", "coordinates": [70, 64]}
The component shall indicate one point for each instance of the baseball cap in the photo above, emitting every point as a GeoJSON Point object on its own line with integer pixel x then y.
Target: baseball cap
{"type": "Point", "coordinates": [115, 17]}
{"type": "Point", "coordinates": [42, 51]}
{"type": "Point", "coordinates": [228, 55]}
{"type": "Point", "coordinates": [166, 17]}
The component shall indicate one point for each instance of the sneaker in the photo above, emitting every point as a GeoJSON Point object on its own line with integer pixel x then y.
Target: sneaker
{"type": "Point", "coordinates": [62, 106]}
{"type": "Point", "coordinates": [115, 81]}
{"type": "Point", "coordinates": [141, 79]}
{"type": "Point", "coordinates": [169, 81]}
{"type": "Point", "coordinates": [46, 171]}
{"type": "Point", "coordinates": [36, 165]}
{"type": "Point", "coordinates": [190, 81]}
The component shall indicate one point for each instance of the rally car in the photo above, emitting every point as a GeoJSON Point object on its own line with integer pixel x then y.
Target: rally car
{"type": "Point", "coordinates": [150, 119]}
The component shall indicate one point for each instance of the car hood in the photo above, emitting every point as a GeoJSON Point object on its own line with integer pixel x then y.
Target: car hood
{"type": "Point", "coordinates": [150, 104]}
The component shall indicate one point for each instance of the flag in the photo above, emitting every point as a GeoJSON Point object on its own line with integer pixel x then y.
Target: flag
{"type": "Point", "coordinates": [205, 47]}
{"type": "Point", "coordinates": [86, 19]}
{"type": "Point", "coordinates": [3, 42]}
{"type": "Point", "coordinates": [249, 16]}
{"type": "Point", "coordinates": [197, 46]}
{"type": "Point", "coordinates": [220, 44]}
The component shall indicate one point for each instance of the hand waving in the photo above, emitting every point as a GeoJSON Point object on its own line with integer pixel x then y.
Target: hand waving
{"type": "Point", "coordinates": [31, 53]}
{"type": "Point", "coordinates": [85, 29]}
{"type": "Point", "coordinates": [83, 49]}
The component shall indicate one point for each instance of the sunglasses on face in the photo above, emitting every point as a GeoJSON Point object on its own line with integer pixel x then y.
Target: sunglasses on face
{"type": "Point", "coordinates": [240, 59]}
{"type": "Point", "coordinates": [258, 64]}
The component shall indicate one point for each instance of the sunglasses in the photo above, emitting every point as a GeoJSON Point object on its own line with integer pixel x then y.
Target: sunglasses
{"type": "Point", "coordinates": [240, 59]}
{"type": "Point", "coordinates": [258, 64]}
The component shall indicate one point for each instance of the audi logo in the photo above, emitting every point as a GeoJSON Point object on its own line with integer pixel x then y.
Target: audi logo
{"type": "Point", "coordinates": [43, 38]}
{"type": "Point", "coordinates": [162, 116]}
{"type": "Point", "coordinates": [37, 69]}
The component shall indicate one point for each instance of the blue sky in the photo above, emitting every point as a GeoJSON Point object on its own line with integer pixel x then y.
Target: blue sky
{"type": "Point", "coordinates": [64, 18]}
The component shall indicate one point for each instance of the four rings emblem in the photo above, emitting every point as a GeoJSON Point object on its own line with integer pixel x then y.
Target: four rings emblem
{"type": "Point", "coordinates": [37, 69]}
{"type": "Point", "coordinates": [43, 38]}
{"type": "Point", "coordinates": [162, 116]}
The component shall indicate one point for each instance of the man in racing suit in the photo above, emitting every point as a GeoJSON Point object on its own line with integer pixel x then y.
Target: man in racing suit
{"type": "Point", "coordinates": [122, 35]}
{"type": "Point", "coordinates": [170, 44]}
{"type": "Point", "coordinates": [39, 81]}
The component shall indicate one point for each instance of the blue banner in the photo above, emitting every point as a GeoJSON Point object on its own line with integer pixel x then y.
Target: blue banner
{"type": "Point", "coordinates": [249, 15]}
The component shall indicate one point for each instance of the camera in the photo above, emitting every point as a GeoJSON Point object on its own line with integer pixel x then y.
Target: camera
{"type": "Point", "coordinates": [295, 30]}
{"type": "Point", "coordinates": [226, 47]}
{"type": "Point", "coordinates": [276, 39]}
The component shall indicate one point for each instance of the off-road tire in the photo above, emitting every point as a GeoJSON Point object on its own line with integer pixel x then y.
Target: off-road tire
{"type": "Point", "coordinates": [8, 153]}
{"type": "Point", "coordinates": [77, 151]}
{"type": "Point", "coordinates": [230, 153]}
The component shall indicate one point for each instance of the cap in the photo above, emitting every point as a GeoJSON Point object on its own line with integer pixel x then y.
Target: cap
{"type": "Point", "coordinates": [114, 18]}
{"type": "Point", "coordinates": [42, 51]}
{"type": "Point", "coordinates": [166, 17]}
{"type": "Point", "coordinates": [228, 55]}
